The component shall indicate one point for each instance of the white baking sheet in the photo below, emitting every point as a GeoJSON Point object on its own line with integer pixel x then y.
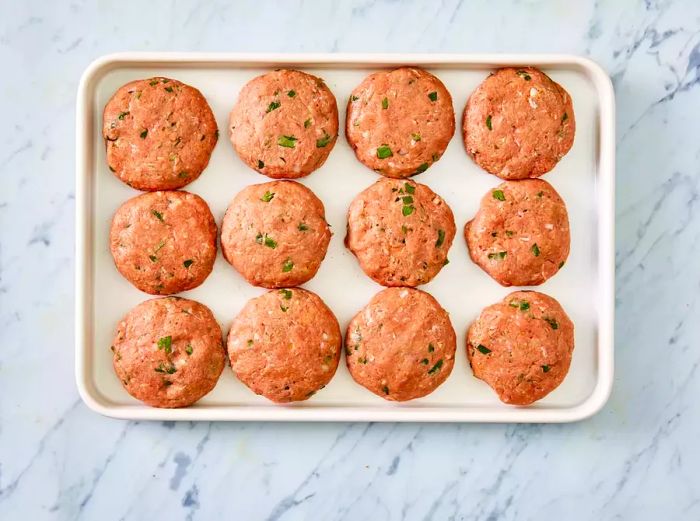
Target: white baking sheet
{"type": "Point", "coordinates": [584, 178]}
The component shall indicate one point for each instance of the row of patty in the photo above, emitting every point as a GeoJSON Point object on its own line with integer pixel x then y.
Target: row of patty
{"type": "Point", "coordinates": [286, 345]}
{"type": "Point", "coordinates": [275, 234]}
{"type": "Point", "coordinates": [160, 132]}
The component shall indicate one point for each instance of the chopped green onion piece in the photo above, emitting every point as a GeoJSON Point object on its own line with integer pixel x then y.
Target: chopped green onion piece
{"type": "Point", "coordinates": [166, 344]}
{"type": "Point", "coordinates": [436, 367]}
{"type": "Point", "coordinates": [272, 106]}
{"type": "Point", "coordinates": [286, 141]}
{"type": "Point", "coordinates": [384, 151]}
{"type": "Point", "coordinates": [440, 239]}
{"type": "Point", "coordinates": [322, 142]}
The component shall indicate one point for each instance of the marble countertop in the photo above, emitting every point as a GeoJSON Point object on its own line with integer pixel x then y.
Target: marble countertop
{"type": "Point", "coordinates": [637, 459]}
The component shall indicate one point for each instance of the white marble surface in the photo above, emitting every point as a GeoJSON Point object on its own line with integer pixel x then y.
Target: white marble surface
{"type": "Point", "coordinates": [637, 459]}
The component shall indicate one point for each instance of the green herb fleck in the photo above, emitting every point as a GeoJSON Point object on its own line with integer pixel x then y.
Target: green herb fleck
{"type": "Point", "coordinates": [250, 342]}
{"type": "Point", "coordinates": [524, 305]}
{"type": "Point", "coordinates": [291, 93]}
{"type": "Point", "coordinates": [169, 89]}
{"type": "Point", "coordinates": [509, 233]}
{"type": "Point", "coordinates": [425, 361]}
{"type": "Point", "coordinates": [385, 103]}
{"type": "Point", "coordinates": [286, 141]}
{"type": "Point", "coordinates": [483, 349]}
{"type": "Point", "coordinates": [286, 294]}
{"type": "Point", "coordinates": [384, 151]}
{"type": "Point", "coordinates": [440, 239]}
{"type": "Point", "coordinates": [552, 323]}
{"type": "Point", "coordinates": [433, 96]}
{"type": "Point", "coordinates": [166, 344]}
{"type": "Point", "coordinates": [385, 390]}
{"type": "Point", "coordinates": [144, 134]}
{"type": "Point", "coordinates": [270, 243]}
{"type": "Point", "coordinates": [540, 194]}
{"type": "Point", "coordinates": [307, 123]}
{"type": "Point", "coordinates": [498, 194]}
{"type": "Point", "coordinates": [354, 98]}
{"type": "Point", "coordinates": [123, 114]}
{"type": "Point", "coordinates": [436, 156]}
{"type": "Point", "coordinates": [535, 250]}
{"type": "Point", "coordinates": [410, 189]}
{"type": "Point", "coordinates": [261, 165]}
{"type": "Point", "coordinates": [188, 349]}
{"type": "Point", "coordinates": [182, 175]}
{"type": "Point", "coordinates": [545, 368]}
{"type": "Point", "coordinates": [416, 137]}
{"type": "Point", "coordinates": [302, 227]}
{"type": "Point", "coordinates": [436, 367]}
{"type": "Point", "coordinates": [153, 258]}
{"type": "Point", "coordinates": [153, 82]}
{"type": "Point", "coordinates": [524, 75]}
{"type": "Point", "coordinates": [158, 215]}
{"type": "Point", "coordinates": [422, 168]}
{"type": "Point", "coordinates": [563, 118]}
{"type": "Point", "coordinates": [561, 264]}
{"type": "Point", "coordinates": [488, 122]}
{"type": "Point", "coordinates": [267, 197]}
{"type": "Point", "coordinates": [272, 106]}
{"type": "Point", "coordinates": [322, 142]}
{"type": "Point", "coordinates": [284, 308]}
{"type": "Point", "coordinates": [287, 266]}
{"type": "Point", "coordinates": [407, 210]}
{"type": "Point", "coordinates": [407, 199]}
{"type": "Point", "coordinates": [188, 263]}
{"type": "Point", "coordinates": [431, 348]}
{"type": "Point", "coordinates": [497, 255]}
{"type": "Point", "coordinates": [362, 360]}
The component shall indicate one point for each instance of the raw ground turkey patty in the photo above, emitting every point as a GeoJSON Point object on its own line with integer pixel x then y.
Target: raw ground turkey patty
{"type": "Point", "coordinates": [520, 235]}
{"type": "Point", "coordinates": [400, 231]}
{"type": "Point", "coordinates": [275, 234]}
{"type": "Point", "coordinates": [521, 346]}
{"type": "Point", "coordinates": [399, 122]}
{"type": "Point", "coordinates": [518, 123]}
{"type": "Point", "coordinates": [164, 242]}
{"type": "Point", "coordinates": [400, 346]}
{"type": "Point", "coordinates": [285, 345]}
{"type": "Point", "coordinates": [168, 352]}
{"type": "Point", "coordinates": [284, 123]}
{"type": "Point", "coordinates": [159, 133]}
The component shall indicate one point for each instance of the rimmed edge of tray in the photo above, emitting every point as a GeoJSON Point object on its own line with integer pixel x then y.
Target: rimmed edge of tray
{"type": "Point", "coordinates": [605, 186]}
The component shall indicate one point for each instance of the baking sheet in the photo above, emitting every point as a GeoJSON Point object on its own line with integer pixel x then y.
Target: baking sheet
{"type": "Point", "coordinates": [584, 287]}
